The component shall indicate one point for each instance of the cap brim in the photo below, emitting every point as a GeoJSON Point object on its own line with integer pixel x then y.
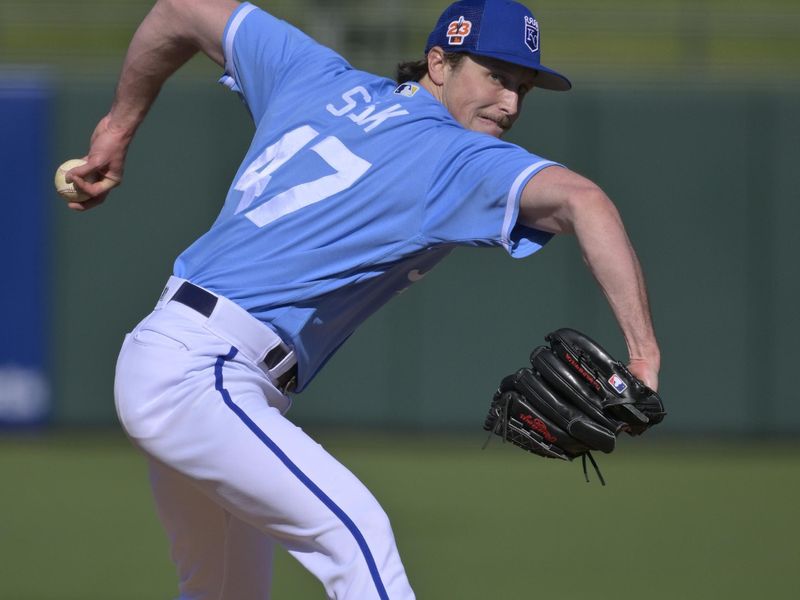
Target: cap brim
{"type": "Point", "coordinates": [547, 79]}
{"type": "Point", "coordinates": [550, 80]}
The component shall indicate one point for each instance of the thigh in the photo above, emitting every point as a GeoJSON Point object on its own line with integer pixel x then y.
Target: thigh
{"type": "Point", "coordinates": [206, 415]}
{"type": "Point", "coordinates": [281, 481]}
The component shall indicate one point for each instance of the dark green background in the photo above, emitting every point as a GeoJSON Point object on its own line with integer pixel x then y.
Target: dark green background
{"type": "Point", "coordinates": [706, 180]}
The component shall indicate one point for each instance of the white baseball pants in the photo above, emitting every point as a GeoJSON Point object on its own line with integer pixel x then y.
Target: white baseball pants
{"type": "Point", "coordinates": [231, 475]}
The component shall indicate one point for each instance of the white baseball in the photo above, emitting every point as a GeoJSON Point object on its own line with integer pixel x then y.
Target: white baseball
{"type": "Point", "coordinates": [66, 190]}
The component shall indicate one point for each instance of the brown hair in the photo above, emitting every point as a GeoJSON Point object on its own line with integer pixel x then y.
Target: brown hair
{"type": "Point", "coordinates": [414, 70]}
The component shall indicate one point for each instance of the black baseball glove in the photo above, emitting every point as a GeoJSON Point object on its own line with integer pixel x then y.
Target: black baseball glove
{"type": "Point", "coordinates": [576, 398]}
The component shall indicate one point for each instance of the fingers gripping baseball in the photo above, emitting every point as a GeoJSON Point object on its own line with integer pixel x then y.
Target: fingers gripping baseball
{"type": "Point", "coordinates": [82, 184]}
{"type": "Point", "coordinates": [89, 180]}
{"type": "Point", "coordinates": [94, 179]}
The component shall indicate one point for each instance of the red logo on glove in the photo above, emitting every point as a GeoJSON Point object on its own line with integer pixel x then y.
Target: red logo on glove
{"type": "Point", "coordinates": [582, 372]}
{"type": "Point", "coordinates": [538, 425]}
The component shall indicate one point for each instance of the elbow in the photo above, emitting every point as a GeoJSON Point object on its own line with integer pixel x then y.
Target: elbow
{"type": "Point", "coordinates": [174, 12]}
{"type": "Point", "coordinates": [174, 7]}
{"type": "Point", "coordinates": [589, 204]}
{"type": "Point", "coordinates": [560, 201]}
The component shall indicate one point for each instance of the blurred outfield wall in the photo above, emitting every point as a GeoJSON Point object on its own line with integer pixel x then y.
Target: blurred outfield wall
{"type": "Point", "coordinates": [707, 182]}
{"type": "Point", "coordinates": [686, 113]}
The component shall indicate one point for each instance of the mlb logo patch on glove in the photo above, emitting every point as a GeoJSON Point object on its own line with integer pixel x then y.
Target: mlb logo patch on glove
{"type": "Point", "coordinates": [575, 398]}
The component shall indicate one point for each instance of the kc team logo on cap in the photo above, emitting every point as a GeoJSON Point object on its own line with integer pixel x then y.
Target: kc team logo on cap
{"type": "Point", "coordinates": [501, 29]}
{"type": "Point", "coordinates": [458, 30]}
{"type": "Point", "coordinates": [531, 34]}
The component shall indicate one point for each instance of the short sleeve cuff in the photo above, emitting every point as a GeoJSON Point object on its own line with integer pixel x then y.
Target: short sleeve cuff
{"type": "Point", "coordinates": [518, 240]}
{"type": "Point", "coordinates": [230, 78]}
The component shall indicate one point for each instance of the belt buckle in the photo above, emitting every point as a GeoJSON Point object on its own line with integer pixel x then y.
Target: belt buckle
{"type": "Point", "coordinates": [290, 385]}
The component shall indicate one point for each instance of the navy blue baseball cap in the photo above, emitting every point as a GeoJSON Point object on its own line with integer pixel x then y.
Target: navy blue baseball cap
{"type": "Point", "coordinates": [500, 29]}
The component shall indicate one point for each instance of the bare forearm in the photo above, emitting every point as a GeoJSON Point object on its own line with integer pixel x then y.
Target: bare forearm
{"type": "Point", "coordinates": [158, 48]}
{"type": "Point", "coordinates": [612, 260]}
{"type": "Point", "coordinates": [561, 201]}
{"type": "Point", "coordinates": [171, 33]}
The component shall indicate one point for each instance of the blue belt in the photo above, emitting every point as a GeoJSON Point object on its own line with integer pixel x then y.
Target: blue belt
{"type": "Point", "coordinates": [204, 302]}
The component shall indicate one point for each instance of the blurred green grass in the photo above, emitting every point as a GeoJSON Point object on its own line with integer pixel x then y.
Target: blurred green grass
{"type": "Point", "coordinates": [677, 520]}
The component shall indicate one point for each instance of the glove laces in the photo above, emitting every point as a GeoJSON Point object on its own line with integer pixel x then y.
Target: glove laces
{"type": "Point", "coordinates": [594, 464]}
{"type": "Point", "coordinates": [500, 426]}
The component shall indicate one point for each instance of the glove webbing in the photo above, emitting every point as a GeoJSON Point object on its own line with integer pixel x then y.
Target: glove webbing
{"type": "Point", "coordinates": [502, 423]}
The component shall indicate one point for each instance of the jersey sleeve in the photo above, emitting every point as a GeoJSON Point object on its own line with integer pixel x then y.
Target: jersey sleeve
{"type": "Point", "coordinates": [264, 55]}
{"type": "Point", "coordinates": [475, 193]}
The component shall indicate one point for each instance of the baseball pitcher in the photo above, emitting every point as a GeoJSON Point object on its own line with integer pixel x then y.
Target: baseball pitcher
{"type": "Point", "coordinates": [353, 186]}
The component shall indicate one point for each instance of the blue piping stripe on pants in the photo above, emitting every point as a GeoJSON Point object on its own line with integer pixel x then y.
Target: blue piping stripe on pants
{"type": "Point", "coordinates": [304, 479]}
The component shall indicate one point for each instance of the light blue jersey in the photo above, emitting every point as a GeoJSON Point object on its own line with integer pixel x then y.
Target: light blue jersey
{"type": "Point", "coordinates": [352, 189]}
